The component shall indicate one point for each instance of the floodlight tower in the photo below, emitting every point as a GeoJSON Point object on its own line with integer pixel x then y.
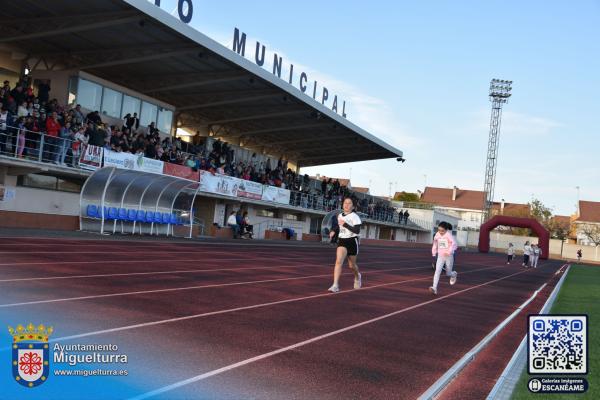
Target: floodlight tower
{"type": "Point", "coordinates": [499, 94]}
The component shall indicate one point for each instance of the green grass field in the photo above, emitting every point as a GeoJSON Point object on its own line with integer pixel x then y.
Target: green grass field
{"type": "Point", "coordinates": [580, 294]}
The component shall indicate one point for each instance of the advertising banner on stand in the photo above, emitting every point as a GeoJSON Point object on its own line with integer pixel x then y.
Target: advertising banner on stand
{"type": "Point", "coordinates": [121, 160]}
{"type": "Point", "coordinates": [219, 184]}
{"type": "Point", "coordinates": [275, 194]}
{"type": "Point", "coordinates": [145, 164]}
{"type": "Point", "coordinates": [250, 190]}
{"type": "Point", "coordinates": [181, 172]}
{"type": "Point", "coordinates": [91, 157]}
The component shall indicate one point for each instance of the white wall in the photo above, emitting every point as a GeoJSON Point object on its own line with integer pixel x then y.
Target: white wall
{"type": "Point", "coordinates": [261, 224]}
{"type": "Point", "coordinates": [497, 240]}
{"type": "Point", "coordinates": [42, 201]}
{"type": "Point", "coordinates": [59, 83]}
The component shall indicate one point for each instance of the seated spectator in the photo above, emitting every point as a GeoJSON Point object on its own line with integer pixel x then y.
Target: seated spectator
{"type": "Point", "coordinates": [232, 223]}
{"type": "Point", "coordinates": [189, 162]}
{"type": "Point", "coordinates": [247, 228]}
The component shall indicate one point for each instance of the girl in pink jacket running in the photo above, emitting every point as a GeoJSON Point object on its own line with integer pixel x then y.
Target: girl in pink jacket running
{"type": "Point", "coordinates": [444, 246]}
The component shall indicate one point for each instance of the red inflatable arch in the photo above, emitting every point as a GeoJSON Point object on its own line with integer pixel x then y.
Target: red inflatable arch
{"type": "Point", "coordinates": [541, 232]}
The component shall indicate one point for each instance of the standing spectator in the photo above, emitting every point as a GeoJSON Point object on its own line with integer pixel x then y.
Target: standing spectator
{"type": "Point", "coordinates": [20, 137]}
{"type": "Point", "coordinates": [132, 122]}
{"type": "Point", "coordinates": [152, 131]}
{"type": "Point", "coordinates": [510, 253]}
{"type": "Point", "coordinates": [18, 95]}
{"type": "Point", "coordinates": [22, 110]}
{"type": "Point", "coordinates": [77, 115]}
{"type": "Point", "coordinates": [63, 143]}
{"type": "Point", "coordinates": [526, 254]}
{"type": "Point", "coordinates": [80, 141]}
{"type": "Point", "coordinates": [406, 215]}
{"type": "Point", "coordinates": [44, 91]}
{"type": "Point", "coordinates": [536, 253]}
{"type": "Point", "coordinates": [52, 140]}
{"type": "Point", "coordinates": [579, 255]}
{"type": "Point", "coordinates": [32, 136]}
{"type": "Point", "coordinates": [150, 149]}
{"type": "Point", "coordinates": [6, 120]}
{"type": "Point", "coordinates": [94, 117]}
{"type": "Point", "coordinates": [95, 135]}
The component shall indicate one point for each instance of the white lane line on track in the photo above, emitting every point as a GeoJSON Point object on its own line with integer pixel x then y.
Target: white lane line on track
{"type": "Point", "coordinates": [263, 356]}
{"type": "Point", "coordinates": [129, 261]}
{"type": "Point", "coordinates": [216, 285]}
{"type": "Point", "coordinates": [254, 306]}
{"type": "Point", "coordinates": [120, 239]}
{"type": "Point", "coordinates": [183, 271]}
{"type": "Point", "coordinates": [245, 258]}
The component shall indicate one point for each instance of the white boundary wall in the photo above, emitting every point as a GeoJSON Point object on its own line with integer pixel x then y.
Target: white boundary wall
{"type": "Point", "coordinates": [499, 242]}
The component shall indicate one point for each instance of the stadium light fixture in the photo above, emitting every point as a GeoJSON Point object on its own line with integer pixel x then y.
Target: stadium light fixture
{"type": "Point", "coordinates": [500, 91]}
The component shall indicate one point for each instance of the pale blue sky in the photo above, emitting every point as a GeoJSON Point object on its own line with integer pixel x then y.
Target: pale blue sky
{"type": "Point", "coordinates": [417, 74]}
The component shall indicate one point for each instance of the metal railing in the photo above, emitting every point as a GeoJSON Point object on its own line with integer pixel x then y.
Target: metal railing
{"type": "Point", "coordinates": [416, 205]}
{"type": "Point", "coordinates": [20, 143]}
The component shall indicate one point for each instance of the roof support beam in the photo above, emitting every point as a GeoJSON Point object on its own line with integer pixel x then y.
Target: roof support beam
{"type": "Point", "coordinates": [58, 19]}
{"type": "Point", "coordinates": [134, 60]}
{"type": "Point", "coordinates": [228, 102]}
{"type": "Point", "coordinates": [283, 129]}
{"type": "Point", "coordinates": [355, 145]}
{"type": "Point", "coordinates": [258, 116]}
{"type": "Point", "coordinates": [214, 81]}
{"type": "Point", "coordinates": [101, 53]}
{"type": "Point", "coordinates": [309, 139]}
{"type": "Point", "coordinates": [82, 27]}
{"type": "Point", "coordinates": [345, 159]}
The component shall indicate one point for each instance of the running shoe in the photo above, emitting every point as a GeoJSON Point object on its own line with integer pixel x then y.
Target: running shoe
{"type": "Point", "coordinates": [433, 290]}
{"type": "Point", "coordinates": [358, 281]}
{"type": "Point", "coordinates": [334, 289]}
{"type": "Point", "coordinates": [453, 277]}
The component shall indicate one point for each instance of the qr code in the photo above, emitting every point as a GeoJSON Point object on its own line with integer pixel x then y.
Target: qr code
{"type": "Point", "coordinates": [557, 344]}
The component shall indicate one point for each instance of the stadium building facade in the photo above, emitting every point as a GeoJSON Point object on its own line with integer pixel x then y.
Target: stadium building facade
{"type": "Point", "coordinates": [126, 57]}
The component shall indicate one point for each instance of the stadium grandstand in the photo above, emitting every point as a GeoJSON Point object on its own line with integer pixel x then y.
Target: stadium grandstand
{"type": "Point", "coordinates": [102, 89]}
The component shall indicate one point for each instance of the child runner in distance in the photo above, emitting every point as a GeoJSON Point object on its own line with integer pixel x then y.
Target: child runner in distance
{"type": "Point", "coordinates": [511, 253]}
{"type": "Point", "coordinates": [444, 246]}
{"type": "Point", "coordinates": [535, 256]}
{"type": "Point", "coordinates": [349, 228]}
{"type": "Point", "coordinates": [526, 254]}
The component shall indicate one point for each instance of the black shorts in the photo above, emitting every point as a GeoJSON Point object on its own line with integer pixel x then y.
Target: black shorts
{"type": "Point", "coordinates": [351, 244]}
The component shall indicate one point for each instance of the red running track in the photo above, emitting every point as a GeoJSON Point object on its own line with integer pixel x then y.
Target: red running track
{"type": "Point", "coordinates": [233, 320]}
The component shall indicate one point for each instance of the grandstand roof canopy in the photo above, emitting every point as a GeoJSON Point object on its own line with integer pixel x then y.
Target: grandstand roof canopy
{"type": "Point", "coordinates": [140, 46]}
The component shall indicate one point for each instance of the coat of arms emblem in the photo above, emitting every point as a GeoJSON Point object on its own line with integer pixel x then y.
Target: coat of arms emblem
{"type": "Point", "coordinates": [30, 354]}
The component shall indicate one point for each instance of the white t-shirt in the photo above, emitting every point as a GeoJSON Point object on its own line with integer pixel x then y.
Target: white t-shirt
{"type": "Point", "coordinates": [351, 219]}
{"type": "Point", "coordinates": [232, 220]}
{"type": "Point", "coordinates": [511, 251]}
{"type": "Point", "coordinates": [527, 250]}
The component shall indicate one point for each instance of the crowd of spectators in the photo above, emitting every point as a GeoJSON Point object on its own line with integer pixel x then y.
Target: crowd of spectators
{"type": "Point", "coordinates": [38, 127]}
